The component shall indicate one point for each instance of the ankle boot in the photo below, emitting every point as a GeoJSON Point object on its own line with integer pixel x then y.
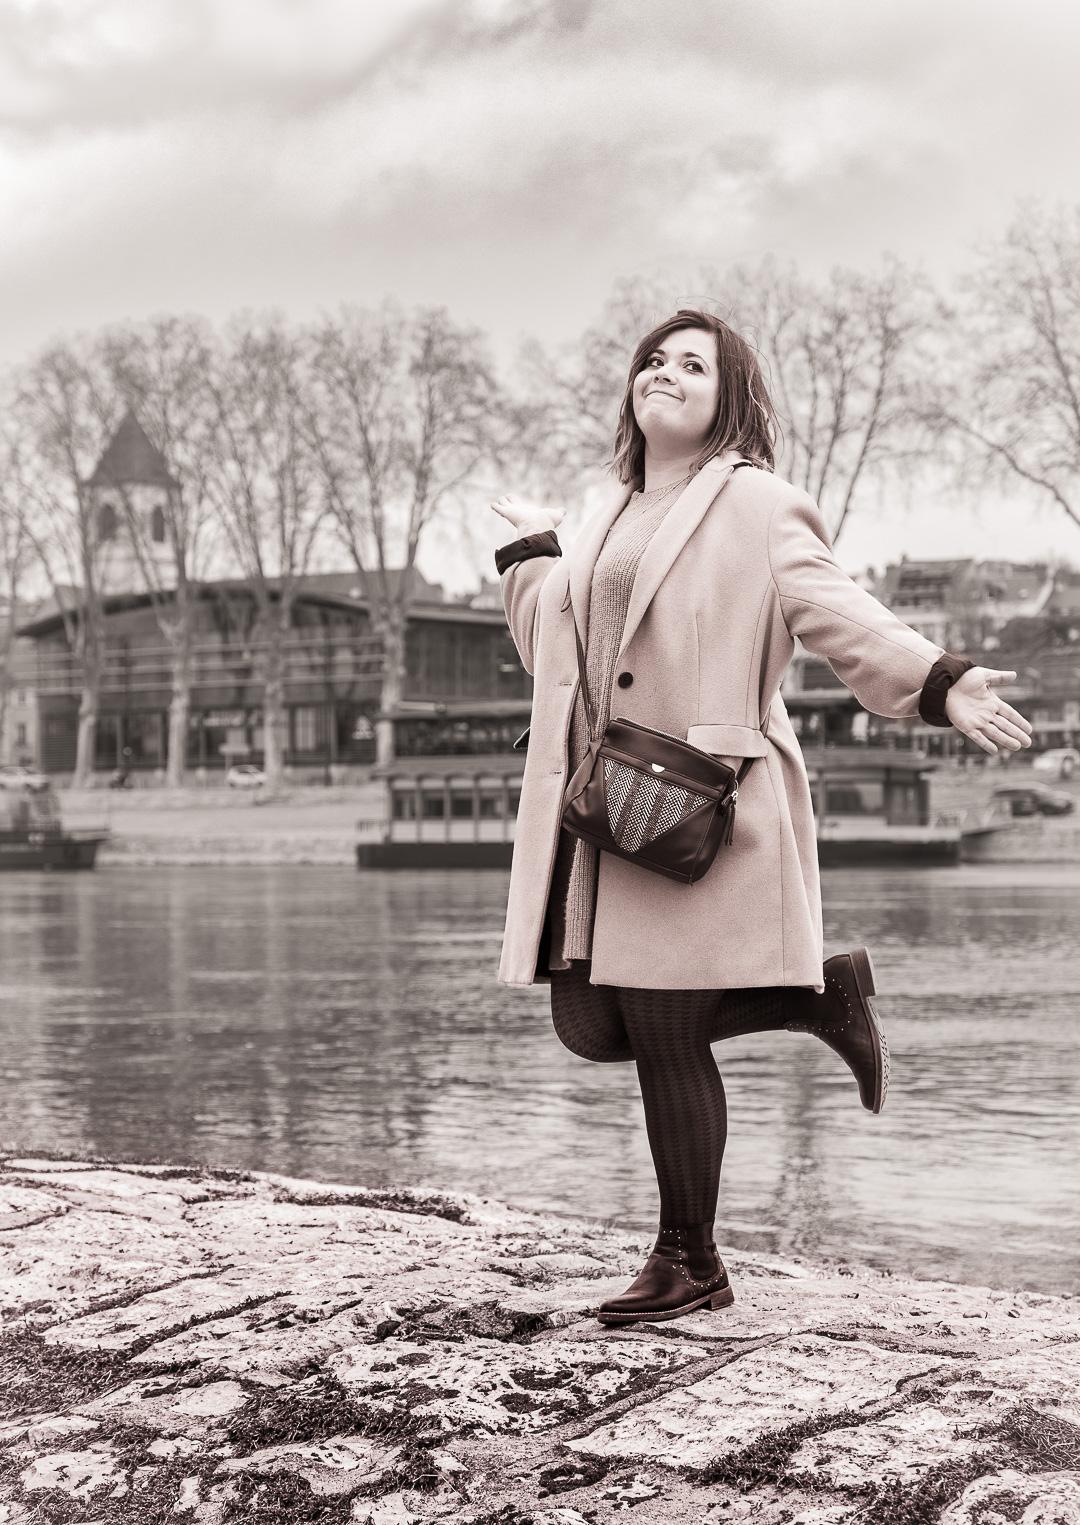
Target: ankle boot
{"type": "Point", "coordinates": [846, 1019]}
{"type": "Point", "coordinates": [683, 1272]}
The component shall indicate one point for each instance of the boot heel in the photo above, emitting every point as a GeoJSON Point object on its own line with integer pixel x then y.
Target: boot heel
{"type": "Point", "coordinates": [863, 970]}
{"type": "Point", "coordinates": [722, 1299]}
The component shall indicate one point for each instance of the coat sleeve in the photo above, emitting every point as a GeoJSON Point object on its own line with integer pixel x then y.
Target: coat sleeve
{"type": "Point", "coordinates": [521, 582]}
{"type": "Point", "coordinates": [882, 660]}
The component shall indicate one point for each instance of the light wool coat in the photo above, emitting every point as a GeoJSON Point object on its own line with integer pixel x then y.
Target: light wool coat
{"type": "Point", "coordinates": [740, 565]}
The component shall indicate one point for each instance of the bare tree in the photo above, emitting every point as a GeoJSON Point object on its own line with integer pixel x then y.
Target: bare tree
{"type": "Point", "coordinates": [262, 485]}
{"type": "Point", "coordinates": [403, 412]}
{"type": "Point", "coordinates": [847, 359]}
{"type": "Point", "coordinates": [62, 413]}
{"type": "Point", "coordinates": [1011, 393]}
{"type": "Point", "coordinates": [843, 358]}
{"type": "Point", "coordinates": [162, 372]}
{"type": "Point", "coordinates": [14, 546]}
{"type": "Point", "coordinates": [559, 418]}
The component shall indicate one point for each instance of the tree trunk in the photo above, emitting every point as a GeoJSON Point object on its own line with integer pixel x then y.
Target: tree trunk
{"type": "Point", "coordinates": [391, 691]}
{"type": "Point", "coordinates": [84, 748]}
{"type": "Point", "coordinates": [179, 714]}
{"type": "Point", "coordinates": [274, 716]}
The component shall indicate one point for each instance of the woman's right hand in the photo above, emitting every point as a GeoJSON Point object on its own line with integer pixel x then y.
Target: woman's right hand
{"type": "Point", "coordinates": [527, 518]}
{"type": "Point", "coordinates": [982, 715]}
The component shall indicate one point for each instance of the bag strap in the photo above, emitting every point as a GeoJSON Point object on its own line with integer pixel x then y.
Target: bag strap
{"type": "Point", "coordinates": [590, 712]}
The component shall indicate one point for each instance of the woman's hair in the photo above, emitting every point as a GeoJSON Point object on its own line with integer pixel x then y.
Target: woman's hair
{"type": "Point", "coordinates": [745, 418]}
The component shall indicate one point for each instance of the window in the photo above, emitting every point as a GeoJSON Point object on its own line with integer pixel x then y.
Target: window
{"type": "Point", "coordinates": [144, 737]}
{"type": "Point", "coordinates": [855, 797]}
{"type": "Point", "coordinates": [108, 521]}
{"type": "Point", "coordinates": [305, 721]}
{"type": "Point", "coordinates": [157, 524]}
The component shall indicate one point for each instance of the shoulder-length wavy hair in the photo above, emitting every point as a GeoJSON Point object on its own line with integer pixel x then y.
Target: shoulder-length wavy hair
{"type": "Point", "coordinates": [745, 418]}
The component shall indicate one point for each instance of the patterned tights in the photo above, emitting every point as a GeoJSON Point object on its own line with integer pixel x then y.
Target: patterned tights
{"type": "Point", "coordinates": [669, 1033]}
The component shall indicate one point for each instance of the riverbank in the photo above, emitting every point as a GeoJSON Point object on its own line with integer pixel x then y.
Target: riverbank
{"type": "Point", "coordinates": [306, 824]}
{"type": "Point", "coordinates": [151, 827]}
{"type": "Point", "coordinates": [180, 1342]}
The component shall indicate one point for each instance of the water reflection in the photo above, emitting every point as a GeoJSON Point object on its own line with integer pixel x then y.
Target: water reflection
{"type": "Point", "coordinates": [350, 1026]}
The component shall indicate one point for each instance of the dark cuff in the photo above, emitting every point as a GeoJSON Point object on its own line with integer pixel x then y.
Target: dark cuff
{"type": "Point", "coordinates": [542, 543]}
{"type": "Point", "coordinates": [939, 680]}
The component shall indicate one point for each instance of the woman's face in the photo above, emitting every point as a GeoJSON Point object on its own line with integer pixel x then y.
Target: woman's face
{"type": "Point", "coordinates": [677, 392]}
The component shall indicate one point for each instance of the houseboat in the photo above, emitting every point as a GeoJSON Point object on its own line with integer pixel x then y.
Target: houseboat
{"type": "Point", "coordinates": [872, 805]}
{"type": "Point", "coordinates": [444, 812]}
{"type": "Point", "coordinates": [33, 836]}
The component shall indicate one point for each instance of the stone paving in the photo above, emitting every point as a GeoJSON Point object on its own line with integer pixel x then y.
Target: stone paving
{"type": "Point", "coordinates": [193, 1345]}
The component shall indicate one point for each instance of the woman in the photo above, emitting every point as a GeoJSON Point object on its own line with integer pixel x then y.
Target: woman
{"type": "Point", "coordinates": [688, 586]}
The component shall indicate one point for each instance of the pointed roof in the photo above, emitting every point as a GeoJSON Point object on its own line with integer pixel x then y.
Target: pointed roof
{"type": "Point", "coordinates": [131, 459]}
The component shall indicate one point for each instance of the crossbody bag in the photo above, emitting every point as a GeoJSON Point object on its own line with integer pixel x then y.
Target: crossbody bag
{"type": "Point", "coordinates": [650, 797]}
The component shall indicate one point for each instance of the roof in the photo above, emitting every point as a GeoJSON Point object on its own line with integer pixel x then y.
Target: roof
{"type": "Point", "coordinates": [916, 581]}
{"type": "Point", "coordinates": [318, 588]}
{"type": "Point", "coordinates": [454, 709]}
{"type": "Point", "coordinates": [847, 759]}
{"type": "Point", "coordinates": [130, 459]}
{"type": "Point", "coordinates": [350, 584]}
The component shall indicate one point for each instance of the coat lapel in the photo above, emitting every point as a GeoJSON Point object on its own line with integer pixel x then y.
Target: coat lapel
{"type": "Point", "coordinates": [678, 524]}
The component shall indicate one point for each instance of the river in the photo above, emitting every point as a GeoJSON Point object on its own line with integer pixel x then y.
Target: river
{"type": "Point", "coordinates": [349, 1026]}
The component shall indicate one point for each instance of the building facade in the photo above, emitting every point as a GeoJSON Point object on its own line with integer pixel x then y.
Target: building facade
{"type": "Point", "coordinates": [465, 689]}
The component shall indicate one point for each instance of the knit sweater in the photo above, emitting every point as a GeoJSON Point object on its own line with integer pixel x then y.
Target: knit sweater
{"type": "Point", "coordinates": [572, 898]}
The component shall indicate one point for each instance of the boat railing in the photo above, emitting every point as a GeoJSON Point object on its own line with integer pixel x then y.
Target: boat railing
{"type": "Point", "coordinates": [990, 815]}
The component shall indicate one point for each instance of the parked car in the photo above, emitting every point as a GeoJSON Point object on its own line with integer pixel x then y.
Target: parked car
{"type": "Point", "coordinates": [245, 776]}
{"type": "Point", "coordinates": [1057, 762]}
{"type": "Point", "coordinates": [15, 776]}
{"type": "Point", "coordinates": [1034, 799]}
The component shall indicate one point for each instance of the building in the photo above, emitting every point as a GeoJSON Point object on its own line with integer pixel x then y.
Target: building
{"type": "Point", "coordinates": [132, 494]}
{"type": "Point", "coordinates": [465, 689]}
{"type": "Point", "coordinates": [964, 604]}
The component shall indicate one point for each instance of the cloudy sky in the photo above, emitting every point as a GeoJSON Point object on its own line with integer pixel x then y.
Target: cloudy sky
{"type": "Point", "coordinates": [512, 158]}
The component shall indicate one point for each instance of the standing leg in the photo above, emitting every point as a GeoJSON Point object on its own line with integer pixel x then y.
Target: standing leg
{"type": "Point", "coordinates": [683, 1095]}
{"type": "Point", "coordinates": [686, 1121]}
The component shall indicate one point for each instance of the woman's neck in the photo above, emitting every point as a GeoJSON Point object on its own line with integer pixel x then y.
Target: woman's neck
{"type": "Point", "coordinates": [665, 470]}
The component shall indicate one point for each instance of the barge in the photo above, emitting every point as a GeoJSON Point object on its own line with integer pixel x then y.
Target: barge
{"type": "Point", "coordinates": [32, 835]}
{"type": "Point", "coordinates": [872, 805]}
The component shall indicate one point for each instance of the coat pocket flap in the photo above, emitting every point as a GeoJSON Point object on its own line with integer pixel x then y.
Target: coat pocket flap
{"type": "Point", "coordinates": [728, 740]}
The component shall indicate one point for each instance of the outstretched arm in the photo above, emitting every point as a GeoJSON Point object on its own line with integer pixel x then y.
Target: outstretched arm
{"type": "Point", "coordinates": [523, 564]}
{"type": "Point", "coordinates": [891, 668]}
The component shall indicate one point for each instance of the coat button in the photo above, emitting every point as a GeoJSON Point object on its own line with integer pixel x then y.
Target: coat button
{"type": "Point", "coordinates": [625, 679]}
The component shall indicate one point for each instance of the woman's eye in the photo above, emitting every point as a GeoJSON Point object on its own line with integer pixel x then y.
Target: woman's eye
{"type": "Point", "coordinates": [695, 363]}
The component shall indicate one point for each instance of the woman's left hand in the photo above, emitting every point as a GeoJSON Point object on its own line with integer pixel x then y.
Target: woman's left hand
{"type": "Point", "coordinates": [973, 707]}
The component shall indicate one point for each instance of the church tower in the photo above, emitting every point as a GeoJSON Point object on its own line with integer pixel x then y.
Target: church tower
{"type": "Point", "coordinates": [131, 484]}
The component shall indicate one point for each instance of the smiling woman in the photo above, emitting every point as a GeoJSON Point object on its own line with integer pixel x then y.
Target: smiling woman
{"type": "Point", "coordinates": [686, 592]}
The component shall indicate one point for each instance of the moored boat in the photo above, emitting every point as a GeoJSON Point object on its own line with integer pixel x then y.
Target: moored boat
{"type": "Point", "coordinates": [32, 835]}
{"type": "Point", "coordinates": [872, 805]}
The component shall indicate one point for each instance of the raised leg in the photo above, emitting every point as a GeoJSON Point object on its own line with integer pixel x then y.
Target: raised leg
{"type": "Point", "coordinates": [587, 1017]}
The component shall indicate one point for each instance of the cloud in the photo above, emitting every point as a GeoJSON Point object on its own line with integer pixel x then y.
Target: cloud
{"type": "Point", "coordinates": [215, 154]}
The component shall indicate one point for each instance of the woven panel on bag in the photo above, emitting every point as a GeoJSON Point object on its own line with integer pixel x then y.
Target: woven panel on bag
{"type": "Point", "coordinates": [623, 783]}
